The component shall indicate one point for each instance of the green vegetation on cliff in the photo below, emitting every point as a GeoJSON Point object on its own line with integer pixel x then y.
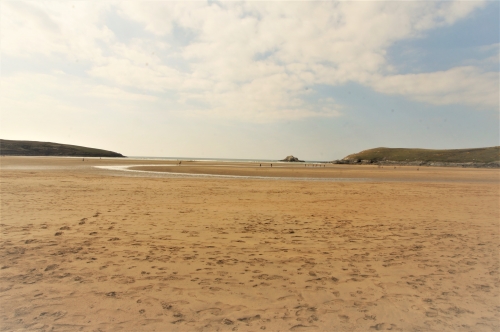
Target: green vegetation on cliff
{"type": "Point", "coordinates": [478, 155]}
{"type": "Point", "coordinates": [34, 148]}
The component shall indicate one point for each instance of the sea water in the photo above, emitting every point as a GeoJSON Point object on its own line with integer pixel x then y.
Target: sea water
{"type": "Point", "coordinates": [219, 159]}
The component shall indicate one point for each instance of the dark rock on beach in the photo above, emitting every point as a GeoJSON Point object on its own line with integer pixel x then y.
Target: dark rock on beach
{"type": "Point", "coordinates": [292, 159]}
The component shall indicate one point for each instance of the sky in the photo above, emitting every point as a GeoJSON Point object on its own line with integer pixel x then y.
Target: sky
{"type": "Point", "coordinates": [253, 80]}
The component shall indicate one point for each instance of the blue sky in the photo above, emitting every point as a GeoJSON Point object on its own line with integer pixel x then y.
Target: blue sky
{"type": "Point", "coordinates": [318, 80]}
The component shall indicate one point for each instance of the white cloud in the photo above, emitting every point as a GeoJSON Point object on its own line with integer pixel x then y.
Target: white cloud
{"type": "Point", "coordinates": [303, 43]}
{"type": "Point", "coordinates": [462, 85]}
{"type": "Point", "coordinates": [269, 98]}
{"type": "Point", "coordinates": [30, 93]}
{"type": "Point", "coordinates": [247, 60]}
{"type": "Point", "coordinates": [53, 28]}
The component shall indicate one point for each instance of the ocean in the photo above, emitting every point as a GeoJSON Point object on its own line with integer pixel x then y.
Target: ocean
{"type": "Point", "coordinates": [219, 159]}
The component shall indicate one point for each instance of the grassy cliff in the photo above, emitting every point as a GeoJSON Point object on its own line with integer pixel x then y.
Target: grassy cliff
{"type": "Point", "coordinates": [478, 155]}
{"type": "Point", "coordinates": [34, 148]}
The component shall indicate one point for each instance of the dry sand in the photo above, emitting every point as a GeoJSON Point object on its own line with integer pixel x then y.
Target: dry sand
{"type": "Point", "coordinates": [91, 249]}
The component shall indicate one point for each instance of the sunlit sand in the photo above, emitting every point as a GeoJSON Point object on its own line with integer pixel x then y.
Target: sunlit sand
{"type": "Point", "coordinates": [356, 248]}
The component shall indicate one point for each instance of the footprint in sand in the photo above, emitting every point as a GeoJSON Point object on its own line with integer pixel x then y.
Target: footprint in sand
{"type": "Point", "coordinates": [383, 326]}
{"type": "Point", "coordinates": [227, 321]}
{"type": "Point", "coordinates": [123, 279]}
{"type": "Point", "coordinates": [249, 319]}
{"type": "Point", "coordinates": [210, 312]}
{"type": "Point", "coordinates": [51, 267]}
{"type": "Point", "coordinates": [301, 327]}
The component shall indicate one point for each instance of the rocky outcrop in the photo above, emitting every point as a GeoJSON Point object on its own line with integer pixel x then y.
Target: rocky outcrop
{"type": "Point", "coordinates": [292, 159]}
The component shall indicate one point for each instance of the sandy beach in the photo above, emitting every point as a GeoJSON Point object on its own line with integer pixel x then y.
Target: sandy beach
{"type": "Point", "coordinates": [93, 249]}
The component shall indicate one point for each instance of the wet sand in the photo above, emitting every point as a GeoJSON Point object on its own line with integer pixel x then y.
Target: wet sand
{"type": "Point", "coordinates": [329, 171]}
{"type": "Point", "coordinates": [92, 249]}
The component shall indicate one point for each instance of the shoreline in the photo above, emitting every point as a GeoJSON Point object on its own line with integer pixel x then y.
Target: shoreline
{"type": "Point", "coordinates": [490, 165]}
{"type": "Point", "coordinates": [284, 171]}
{"type": "Point", "coordinates": [145, 169]}
{"type": "Point", "coordinates": [328, 173]}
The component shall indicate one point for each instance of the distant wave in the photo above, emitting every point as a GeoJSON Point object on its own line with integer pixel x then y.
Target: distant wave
{"type": "Point", "coordinates": [218, 159]}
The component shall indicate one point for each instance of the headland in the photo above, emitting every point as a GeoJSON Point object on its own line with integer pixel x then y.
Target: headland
{"type": "Point", "coordinates": [35, 148]}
